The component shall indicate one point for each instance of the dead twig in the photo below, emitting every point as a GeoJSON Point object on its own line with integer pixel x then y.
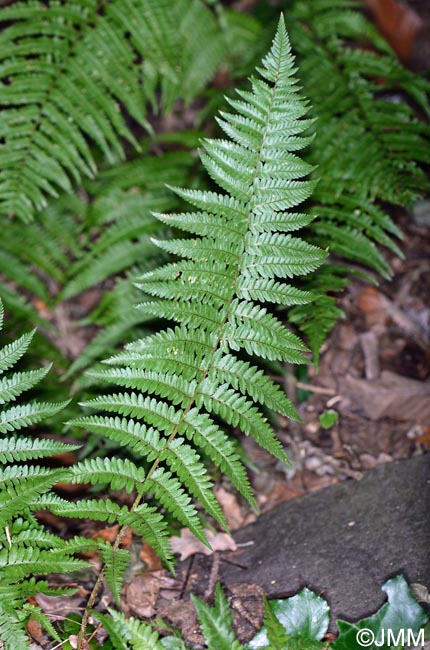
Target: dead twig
{"type": "Point", "coordinates": [213, 577]}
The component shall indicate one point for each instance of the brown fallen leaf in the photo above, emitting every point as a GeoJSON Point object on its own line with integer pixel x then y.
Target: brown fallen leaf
{"type": "Point", "coordinates": [424, 438]}
{"type": "Point", "coordinates": [187, 544]}
{"type": "Point", "coordinates": [34, 629]}
{"type": "Point", "coordinates": [182, 614]}
{"type": "Point", "coordinates": [247, 608]}
{"type": "Point", "coordinates": [110, 533]}
{"type": "Point", "coordinates": [150, 557]}
{"type": "Point", "coordinates": [371, 302]}
{"type": "Point", "coordinates": [142, 593]}
{"type": "Point", "coordinates": [236, 518]}
{"type": "Point", "coordinates": [392, 396]}
{"type": "Point", "coordinates": [399, 23]}
{"type": "Point", "coordinates": [58, 607]}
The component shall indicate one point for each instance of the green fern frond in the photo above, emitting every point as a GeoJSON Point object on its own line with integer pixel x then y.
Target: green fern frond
{"type": "Point", "coordinates": [184, 383]}
{"type": "Point", "coordinates": [216, 622]}
{"type": "Point", "coordinates": [21, 449]}
{"type": "Point", "coordinates": [26, 549]}
{"type": "Point", "coordinates": [372, 144]}
{"type": "Point", "coordinates": [12, 633]}
{"type": "Point", "coordinates": [18, 563]}
{"type": "Point", "coordinates": [130, 633]}
{"type": "Point", "coordinates": [64, 71]}
{"type": "Point", "coordinates": [85, 241]}
{"type": "Point", "coordinates": [119, 473]}
{"type": "Point", "coordinates": [151, 525]}
{"type": "Point", "coordinates": [377, 154]}
{"type": "Point", "coordinates": [117, 561]}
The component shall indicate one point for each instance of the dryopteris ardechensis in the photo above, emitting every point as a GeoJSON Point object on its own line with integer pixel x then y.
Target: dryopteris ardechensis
{"type": "Point", "coordinates": [240, 252]}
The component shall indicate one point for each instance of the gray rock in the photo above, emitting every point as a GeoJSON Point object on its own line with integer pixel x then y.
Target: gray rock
{"type": "Point", "coordinates": [344, 541]}
{"type": "Point", "coordinates": [421, 213]}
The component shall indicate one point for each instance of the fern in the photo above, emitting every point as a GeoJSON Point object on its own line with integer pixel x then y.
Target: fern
{"type": "Point", "coordinates": [26, 549]}
{"type": "Point", "coordinates": [132, 634]}
{"type": "Point", "coordinates": [80, 243]}
{"type": "Point", "coordinates": [371, 147]}
{"type": "Point", "coordinates": [216, 622]}
{"type": "Point", "coordinates": [184, 382]}
{"type": "Point", "coordinates": [65, 68]}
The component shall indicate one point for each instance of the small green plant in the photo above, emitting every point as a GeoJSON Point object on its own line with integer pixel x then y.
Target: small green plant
{"type": "Point", "coordinates": [328, 418]}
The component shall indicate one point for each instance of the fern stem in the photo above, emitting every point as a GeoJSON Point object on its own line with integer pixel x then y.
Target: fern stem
{"type": "Point", "coordinates": [124, 529]}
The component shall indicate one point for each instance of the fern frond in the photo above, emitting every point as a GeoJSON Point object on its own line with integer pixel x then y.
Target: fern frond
{"type": "Point", "coordinates": [146, 521]}
{"type": "Point", "coordinates": [372, 145]}
{"type": "Point", "coordinates": [130, 633]}
{"type": "Point", "coordinates": [378, 151]}
{"type": "Point", "coordinates": [216, 622]}
{"type": "Point", "coordinates": [17, 417]}
{"type": "Point", "coordinates": [18, 563]}
{"type": "Point", "coordinates": [117, 561]}
{"type": "Point", "coordinates": [119, 473]}
{"type": "Point", "coordinates": [21, 449]}
{"type": "Point", "coordinates": [26, 549]}
{"type": "Point", "coordinates": [185, 383]}
{"type": "Point", "coordinates": [82, 242]}
{"type": "Point", "coordinates": [72, 65]}
{"type": "Point", "coordinates": [12, 387]}
{"type": "Point", "coordinates": [12, 633]}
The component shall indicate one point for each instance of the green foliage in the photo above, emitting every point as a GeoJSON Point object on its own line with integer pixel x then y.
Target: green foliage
{"type": "Point", "coordinates": [132, 634]}
{"type": "Point", "coordinates": [216, 622]}
{"type": "Point", "coordinates": [299, 622]}
{"type": "Point", "coordinates": [77, 78]}
{"type": "Point", "coordinates": [80, 243]}
{"type": "Point", "coordinates": [243, 244]}
{"type": "Point", "coordinates": [26, 549]}
{"type": "Point", "coordinates": [117, 561]}
{"type": "Point", "coordinates": [328, 418]}
{"type": "Point", "coordinates": [371, 144]}
{"type": "Point", "coordinates": [65, 69]}
{"type": "Point", "coordinates": [401, 612]}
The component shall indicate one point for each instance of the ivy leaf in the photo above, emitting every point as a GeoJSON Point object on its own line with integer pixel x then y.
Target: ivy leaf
{"type": "Point", "coordinates": [401, 612]}
{"type": "Point", "coordinates": [305, 615]}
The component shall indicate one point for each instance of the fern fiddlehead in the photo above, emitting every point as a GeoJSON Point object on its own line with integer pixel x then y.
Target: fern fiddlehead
{"type": "Point", "coordinates": [184, 380]}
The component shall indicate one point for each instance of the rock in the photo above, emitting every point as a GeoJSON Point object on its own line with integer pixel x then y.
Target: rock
{"type": "Point", "coordinates": [344, 541]}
